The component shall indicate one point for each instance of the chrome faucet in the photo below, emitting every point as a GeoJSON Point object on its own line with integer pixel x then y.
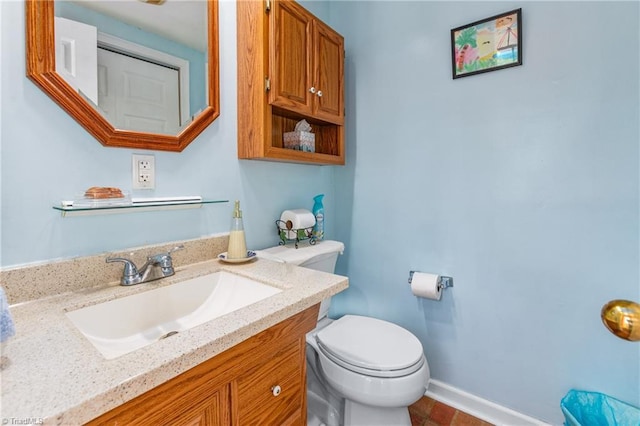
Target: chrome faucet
{"type": "Point", "coordinates": [156, 267]}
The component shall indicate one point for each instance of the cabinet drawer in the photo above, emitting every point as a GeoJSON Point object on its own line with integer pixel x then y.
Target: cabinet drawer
{"type": "Point", "coordinates": [260, 402]}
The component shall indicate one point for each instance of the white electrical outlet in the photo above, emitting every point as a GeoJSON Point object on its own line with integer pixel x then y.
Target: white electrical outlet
{"type": "Point", "coordinates": [144, 171]}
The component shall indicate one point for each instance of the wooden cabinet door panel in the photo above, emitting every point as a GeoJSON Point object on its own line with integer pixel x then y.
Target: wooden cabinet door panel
{"type": "Point", "coordinates": [212, 411]}
{"type": "Point", "coordinates": [290, 57]}
{"type": "Point", "coordinates": [173, 405]}
{"type": "Point", "coordinates": [329, 67]}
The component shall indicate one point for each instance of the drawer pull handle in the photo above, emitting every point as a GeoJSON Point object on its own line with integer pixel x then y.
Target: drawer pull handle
{"type": "Point", "coordinates": [276, 390]}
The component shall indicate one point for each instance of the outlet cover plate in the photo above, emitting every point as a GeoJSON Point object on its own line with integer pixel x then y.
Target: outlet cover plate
{"type": "Point", "coordinates": [143, 171]}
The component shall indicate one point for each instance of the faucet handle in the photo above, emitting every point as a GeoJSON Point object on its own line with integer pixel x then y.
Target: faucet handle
{"type": "Point", "coordinates": [176, 248]}
{"type": "Point", "coordinates": [130, 268]}
{"type": "Point", "coordinates": [164, 258]}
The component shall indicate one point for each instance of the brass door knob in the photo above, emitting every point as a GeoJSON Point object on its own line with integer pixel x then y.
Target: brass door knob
{"type": "Point", "coordinates": [622, 318]}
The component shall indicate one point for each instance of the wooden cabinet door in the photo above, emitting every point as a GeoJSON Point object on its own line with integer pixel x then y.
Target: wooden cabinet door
{"type": "Point", "coordinates": [173, 403]}
{"type": "Point", "coordinates": [329, 73]}
{"type": "Point", "coordinates": [213, 410]}
{"type": "Point", "coordinates": [290, 57]}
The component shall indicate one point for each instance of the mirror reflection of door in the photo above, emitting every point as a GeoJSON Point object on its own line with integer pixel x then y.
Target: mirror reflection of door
{"type": "Point", "coordinates": [136, 94]}
{"type": "Point", "coordinates": [168, 40]}
{"type": "Point", "coordinates": [76, 56]}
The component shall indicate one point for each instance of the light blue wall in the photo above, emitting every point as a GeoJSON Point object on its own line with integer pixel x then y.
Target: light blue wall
{"type": "Point", "coordinates": [48, 157]}
{"type": "Point", "coordinates": [522, 184]}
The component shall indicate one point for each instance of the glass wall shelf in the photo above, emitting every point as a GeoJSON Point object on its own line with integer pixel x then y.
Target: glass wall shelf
{"type": "Point", "coordinates": [85, 210]}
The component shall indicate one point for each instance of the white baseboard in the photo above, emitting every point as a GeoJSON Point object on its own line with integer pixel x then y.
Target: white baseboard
{"type": "Point", "coordinates": [478, 407]}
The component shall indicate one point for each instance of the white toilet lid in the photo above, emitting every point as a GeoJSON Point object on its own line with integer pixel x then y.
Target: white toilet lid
{"type": "Point", "coordinates": [373, 344]}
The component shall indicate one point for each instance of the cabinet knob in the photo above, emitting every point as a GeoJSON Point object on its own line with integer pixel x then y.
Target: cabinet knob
{"type": "Point", "coordinates": [312, 90]}
{"type": "Point", "coordinates": [319, 93]}
{"type": "Point", "coordinates": [276, 390]}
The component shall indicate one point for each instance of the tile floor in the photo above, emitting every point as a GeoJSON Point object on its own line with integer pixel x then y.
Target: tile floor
{"type": "Point", "coordinates": [428, 412]}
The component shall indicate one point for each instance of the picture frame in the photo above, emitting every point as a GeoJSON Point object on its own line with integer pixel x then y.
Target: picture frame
{"type": "Point", "coordinates": [487, 45]}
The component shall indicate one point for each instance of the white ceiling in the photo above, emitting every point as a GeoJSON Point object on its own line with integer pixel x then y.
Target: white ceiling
{"type": "Point", "coordinates": [184, 21]}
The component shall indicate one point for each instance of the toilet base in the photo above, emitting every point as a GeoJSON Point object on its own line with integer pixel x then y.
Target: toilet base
{"type": "Point", "coordinates": [320, 412]}
{"type": "Point", "coordinates": [356, 414]}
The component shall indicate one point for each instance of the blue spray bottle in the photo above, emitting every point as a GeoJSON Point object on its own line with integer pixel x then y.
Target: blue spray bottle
{"type": "Point", "coordinates": [318, 212]}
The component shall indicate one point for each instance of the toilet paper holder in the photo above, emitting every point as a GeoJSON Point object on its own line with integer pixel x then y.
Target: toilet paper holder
{"type": "Point", "coordinates": [443, 282]}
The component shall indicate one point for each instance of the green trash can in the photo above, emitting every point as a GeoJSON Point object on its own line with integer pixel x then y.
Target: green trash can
{"type": "Point", "coordinates": [582, 408]}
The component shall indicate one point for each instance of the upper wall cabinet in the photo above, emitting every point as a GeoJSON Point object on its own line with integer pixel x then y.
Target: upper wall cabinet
{"type": "Point", "coordinates": [134, 74]}
{"type": "Point", "coordinates": [307, 64]}
{"type": "Point", "coordinates": [290, 67]}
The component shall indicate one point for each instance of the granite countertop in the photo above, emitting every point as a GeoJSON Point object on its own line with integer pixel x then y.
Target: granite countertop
{"type": "Point", "coordinates": [52, 373]}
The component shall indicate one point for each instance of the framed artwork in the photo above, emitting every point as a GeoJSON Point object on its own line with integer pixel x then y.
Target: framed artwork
{"type": "Point", "coordinates": [487, 45]}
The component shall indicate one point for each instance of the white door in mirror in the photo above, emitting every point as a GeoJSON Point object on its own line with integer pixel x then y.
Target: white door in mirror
{"type": "Point", "coordinates": [76, 56]}
{"type": "Point", "coordinates": [138, 95]}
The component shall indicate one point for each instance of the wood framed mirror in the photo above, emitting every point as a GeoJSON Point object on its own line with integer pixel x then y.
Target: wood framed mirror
{"type": "Point", "coordinates": [87, 108]}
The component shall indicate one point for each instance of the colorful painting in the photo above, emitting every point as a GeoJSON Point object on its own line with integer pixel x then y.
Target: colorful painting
{"type": "Point", "coordinates": [487, 45]}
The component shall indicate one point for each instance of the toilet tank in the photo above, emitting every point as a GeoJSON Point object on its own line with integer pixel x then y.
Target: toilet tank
{"type": "Point", "coordinates": [321, 256]}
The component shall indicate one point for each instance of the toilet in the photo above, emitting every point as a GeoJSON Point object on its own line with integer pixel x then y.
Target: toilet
{"type": "Point", "coordinates": [360, 370]}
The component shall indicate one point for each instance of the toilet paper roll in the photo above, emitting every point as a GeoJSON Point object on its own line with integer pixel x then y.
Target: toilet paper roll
{"type": "Point", "coordinates": [300, 219]}
{"type": "Point", "coordinates": [426, 285]}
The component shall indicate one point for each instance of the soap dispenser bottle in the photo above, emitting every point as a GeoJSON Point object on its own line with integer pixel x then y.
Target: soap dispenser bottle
{"type": "Point", "coordinates": [237, 243]}
{"type": "Point", "coordinates": [318, 212]}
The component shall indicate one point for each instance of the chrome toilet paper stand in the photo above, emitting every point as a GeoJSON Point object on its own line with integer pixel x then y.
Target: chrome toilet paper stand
{"type": "Point", "coordinates": [443, 281]}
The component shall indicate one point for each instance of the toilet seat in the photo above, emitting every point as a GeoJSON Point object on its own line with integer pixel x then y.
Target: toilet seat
{"type": "Point", "coordinates": [371, 347]}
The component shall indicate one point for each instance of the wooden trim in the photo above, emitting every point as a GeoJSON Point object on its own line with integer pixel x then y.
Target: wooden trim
{"type": "Point", "coordinates": [213, 99]}
{"type": "Point", "coordinates": [40, 57]}
{"type": "Point", "coordinates": [303, 372]}
{"type": "Point", "coordinates": [253, 117]}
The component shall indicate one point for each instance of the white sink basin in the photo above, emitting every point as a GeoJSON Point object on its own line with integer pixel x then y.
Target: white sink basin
{"type": "Point", "coordinates": [123, 325]}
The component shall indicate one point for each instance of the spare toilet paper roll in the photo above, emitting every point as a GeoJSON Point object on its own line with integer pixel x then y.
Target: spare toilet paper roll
{"type": "Point", "coordinates": [300, 219]}
{"type": "Point", "coordinates": [426, 285]}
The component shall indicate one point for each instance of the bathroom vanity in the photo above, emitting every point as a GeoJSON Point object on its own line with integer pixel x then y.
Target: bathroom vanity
{"type": "Point", "coordinates": [260, 381]}
{"type": "Point", "coordinates": [244, 367]}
